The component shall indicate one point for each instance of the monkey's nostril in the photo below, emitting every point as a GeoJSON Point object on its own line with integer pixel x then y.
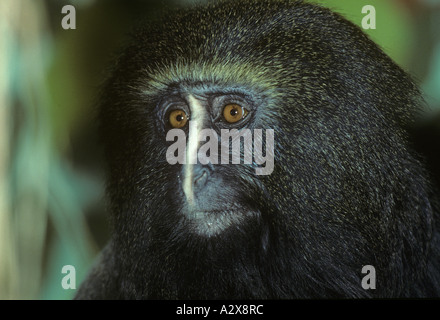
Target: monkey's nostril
{"type": "Point", "coordinates": [200, 180]}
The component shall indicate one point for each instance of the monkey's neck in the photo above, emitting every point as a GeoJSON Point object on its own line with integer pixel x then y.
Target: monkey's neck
{"type": "Point", "coordinates": [200, 268]}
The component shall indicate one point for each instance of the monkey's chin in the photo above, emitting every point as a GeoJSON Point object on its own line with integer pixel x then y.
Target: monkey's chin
{"type": "Point", "coordinates": [214, 222]}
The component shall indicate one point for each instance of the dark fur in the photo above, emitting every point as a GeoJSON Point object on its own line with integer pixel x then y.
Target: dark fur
{"type": "Point", "coordinates": [347, 190]}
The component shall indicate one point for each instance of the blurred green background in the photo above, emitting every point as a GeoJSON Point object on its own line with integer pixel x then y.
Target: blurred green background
{"type": "Point", "coordinates": [52, 206]}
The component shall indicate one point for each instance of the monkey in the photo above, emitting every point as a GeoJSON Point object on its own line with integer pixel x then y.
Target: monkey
{"type": "Point", "coordinates": [347, 188]}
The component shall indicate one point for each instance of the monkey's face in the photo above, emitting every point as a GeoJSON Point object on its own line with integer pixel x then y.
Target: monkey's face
{"type": "Point", "coordinates": [208, 132]}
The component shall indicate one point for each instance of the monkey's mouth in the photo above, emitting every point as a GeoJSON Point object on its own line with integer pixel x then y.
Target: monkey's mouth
{"type": "Point", "coordinates": [211, 213]}
{"type": "Point", "coordinates": [213, 222]}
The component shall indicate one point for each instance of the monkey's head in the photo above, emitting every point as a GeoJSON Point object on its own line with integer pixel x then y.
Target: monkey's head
{"type": "Point", "coordinates": [344, 191]}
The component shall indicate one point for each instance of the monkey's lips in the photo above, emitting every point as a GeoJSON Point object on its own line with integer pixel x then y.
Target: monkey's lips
{"type": "Point", "coordinates": [213, 222]}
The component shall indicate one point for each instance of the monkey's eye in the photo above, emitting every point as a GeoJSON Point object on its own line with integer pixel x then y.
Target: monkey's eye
{"type": "Point", "coordinates": [178, 118]}
{"type": "Point", "coordinates": [234, 113]}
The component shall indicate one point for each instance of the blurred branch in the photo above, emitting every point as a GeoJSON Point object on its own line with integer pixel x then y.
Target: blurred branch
{"type": "Point", "coordinates": [27, 147]}
{"type": "Point", "coordinates": [6, 243]}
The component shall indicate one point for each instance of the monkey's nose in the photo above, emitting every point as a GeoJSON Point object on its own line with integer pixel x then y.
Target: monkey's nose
{"type": "Point", "coordinates": [200, 178]}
